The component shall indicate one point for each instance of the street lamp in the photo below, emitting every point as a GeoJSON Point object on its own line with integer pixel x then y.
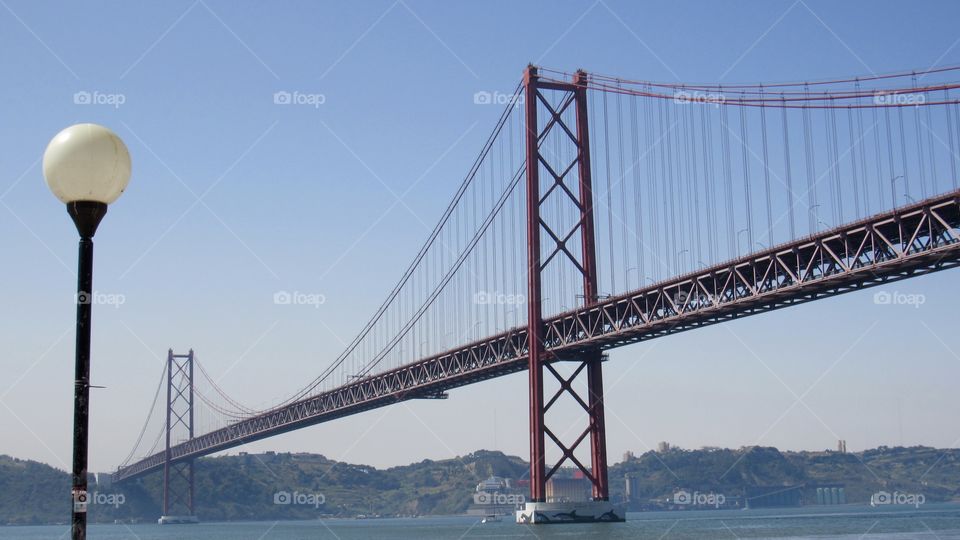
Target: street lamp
{"type": "Point", "coordinates": [87, 167]}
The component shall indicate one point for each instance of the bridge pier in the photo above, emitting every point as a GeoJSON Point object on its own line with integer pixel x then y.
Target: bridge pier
{"type": "Point", "coordinates": [178, 477]}
{"type": "Point", "coordinates": [542, 507]}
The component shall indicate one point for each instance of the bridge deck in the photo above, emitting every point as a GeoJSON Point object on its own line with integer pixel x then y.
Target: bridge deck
{"type": "Point", "coordinates": [912, 240]}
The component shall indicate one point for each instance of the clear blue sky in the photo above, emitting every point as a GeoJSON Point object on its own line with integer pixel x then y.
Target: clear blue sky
{"type": "Point", "coordinates": [296, 198]}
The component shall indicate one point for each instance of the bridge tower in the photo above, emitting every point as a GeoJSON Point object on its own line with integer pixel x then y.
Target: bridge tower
{"type": "Point", "coordinates": [556, 174]}
{"type": "Point", "coordinates": [178, 480]}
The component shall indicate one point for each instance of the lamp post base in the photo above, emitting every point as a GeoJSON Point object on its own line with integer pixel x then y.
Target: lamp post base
{"type": "Point", "coordinates": [536, 513]}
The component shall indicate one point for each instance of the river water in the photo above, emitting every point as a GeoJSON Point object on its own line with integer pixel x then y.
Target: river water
{"type": "Point", "coordinates": [933, 521]}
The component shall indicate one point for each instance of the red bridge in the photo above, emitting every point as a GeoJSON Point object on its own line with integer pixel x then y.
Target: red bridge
{"type": "Point", "coordinates": [721, 201]}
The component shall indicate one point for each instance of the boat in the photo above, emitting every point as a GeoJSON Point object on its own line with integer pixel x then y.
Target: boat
{"type": "Point", "coordinates": [491, 518]}
{"type": "Point", "coordinates": [178, 520]}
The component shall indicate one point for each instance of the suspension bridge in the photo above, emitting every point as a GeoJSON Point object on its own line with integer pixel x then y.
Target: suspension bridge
{"type": "Point", "coordinates": [604, 211]}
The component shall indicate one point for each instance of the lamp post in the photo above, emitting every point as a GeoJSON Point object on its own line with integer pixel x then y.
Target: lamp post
{"type": "Point", "coordinates": [87, 167]}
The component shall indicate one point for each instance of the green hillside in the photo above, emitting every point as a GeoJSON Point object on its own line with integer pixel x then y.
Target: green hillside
{"type": "Point", "coordinates": [932, 472]}
{"type": "Point", "coordinates": [246, 487]}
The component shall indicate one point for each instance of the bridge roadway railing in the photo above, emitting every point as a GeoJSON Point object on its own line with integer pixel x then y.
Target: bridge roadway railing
{"type": "Point", "coordinates": [917, 239]}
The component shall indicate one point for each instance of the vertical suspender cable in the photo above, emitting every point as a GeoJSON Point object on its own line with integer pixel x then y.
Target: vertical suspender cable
{"type": "Point", "coordinates": [766, 172]}
{"type": "Point", "coordinates": [637, 194]}
{"type": "Point", "coordinates": [623, 196]}
{"type": "Point", "coordinates": [953, 154]}
{"type": "Point", "coordinates": [853, 164]}
{"type": "Point", "coordinates": [670, 193]}
{"type": "Point", "coordinates": [502, 220]}
{"type": "Point", "coordinates": [863, 155]}
{"type": "Point", "coordinates": [956, 125]}
{"type": "Point", "coordinates": [683, 175]}
{"type": "Point", "coordinates": [835, 166]}
{"type": "Point", "coordinates": [594, 165]}
{"type": "Point", "coordinates": [931, 149]}
{"type": "Point", "coordinates": [728, 181]}
{"type": "Point", "coordinates": [788, 172]}
{"type": "Point", "coordinates": [683, 185]}
{"type": "Point", "coordinates": [655, 178]}
{"type": "Point", "coordinates": [710, 178]}
{"type": "Point", "coordinates": [919, 134]}
{"type": "Point", "coordinates": [903, 157]}
{"type": "Point", "coordinates": [878, 155]}
{"type": "Point", "coordinates": [695, 187]}
{"type": "Point", "coordinates": [811, 161]}
{"type": "Point", "coordinates": [606, 149]}
{"type": "Point", "coordinates": [892, 177]}
{"type": "Point", "coordinates": [747, 188]}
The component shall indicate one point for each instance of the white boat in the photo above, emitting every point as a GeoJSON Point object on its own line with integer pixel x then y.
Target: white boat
{"type": "Point", "coordinates": [177, 520]}
{"type": "Point", "coordinates": [491, 518]}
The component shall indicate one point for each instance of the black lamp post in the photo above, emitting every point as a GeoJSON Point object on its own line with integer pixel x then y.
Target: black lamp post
{"type": "Point", "coordinates": [87, 167]}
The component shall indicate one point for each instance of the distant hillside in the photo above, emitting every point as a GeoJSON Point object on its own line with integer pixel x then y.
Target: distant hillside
{"type": "Point", "coordinates": [245, 487]}
{"type": "Point", "coordinates": [32, 492]}
{"type": "Point", "coordinates": [932, 472]}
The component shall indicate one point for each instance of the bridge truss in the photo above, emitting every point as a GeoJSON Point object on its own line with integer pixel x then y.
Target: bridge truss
{"type": "Point", "coordinates": [914, 240]}
{"type": "Point", "coordinates": [834, 186]}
